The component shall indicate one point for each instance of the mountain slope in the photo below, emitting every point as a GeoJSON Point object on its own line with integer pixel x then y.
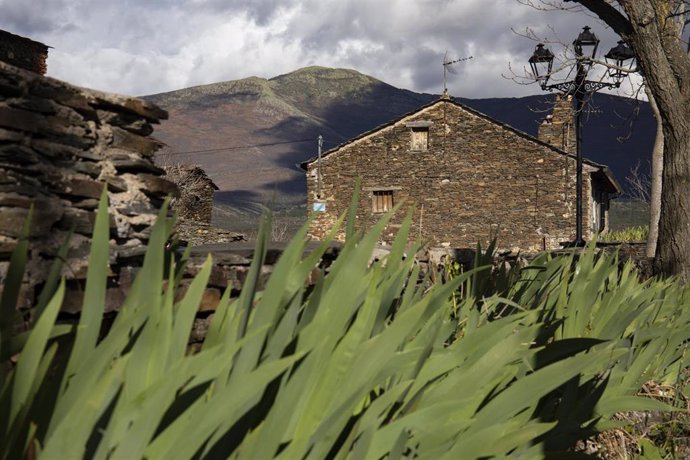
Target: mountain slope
{"type": "Point", "coordinates": [250, 134]}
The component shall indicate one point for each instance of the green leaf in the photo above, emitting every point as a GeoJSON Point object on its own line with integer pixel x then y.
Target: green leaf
{"type": "Point", "coordinates": [94, 293]}
{"type": "Point", "coordinates": [31, 354]}
{"type": "Point", "coordinates": [51, 284]}
{"type": "Point", "coordinates": [650, 451]}
{"type": "Point", "coordinates": [352, 211]}
{"type": "Point", "coordinates": [13, 281]}
{"type": "Point", "coordinates": [611, 405]}
{"type": "Point", "coordinates": [70, 436]}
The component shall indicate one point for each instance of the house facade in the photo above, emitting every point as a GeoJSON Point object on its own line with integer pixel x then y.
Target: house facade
{"type": "Point", "coordinates": [469, 177]}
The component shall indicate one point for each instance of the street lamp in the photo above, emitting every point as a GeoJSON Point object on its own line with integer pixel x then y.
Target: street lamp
{"type": "Point", "coordinates": [585, 45]}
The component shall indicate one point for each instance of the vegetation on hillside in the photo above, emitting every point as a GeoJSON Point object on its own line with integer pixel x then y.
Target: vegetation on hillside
{"type": "Point", "coordinates": [373, 360]}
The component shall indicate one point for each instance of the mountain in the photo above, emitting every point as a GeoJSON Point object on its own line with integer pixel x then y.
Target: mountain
{"type": "Point", "coordinates": [251, 134]}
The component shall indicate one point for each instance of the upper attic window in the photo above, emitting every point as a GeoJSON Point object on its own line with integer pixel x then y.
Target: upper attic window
{"type": "Point", "coordinates": [419, 135]}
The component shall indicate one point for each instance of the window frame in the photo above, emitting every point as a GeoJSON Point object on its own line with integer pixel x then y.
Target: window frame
{"type": "Point", "coordinates": [419, 139]}
{"type": "Point", "coordinates": [416, 129]}
{"type": "Point", "coordinates": [382, 200]}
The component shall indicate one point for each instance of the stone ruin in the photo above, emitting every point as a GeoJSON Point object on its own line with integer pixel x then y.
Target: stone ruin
{"type": "Point", "coordinates": [194, 207]}
{"type": "Point", "coordinates": [23, 52]}
{"type": "Point", "coordinates": [195, 203]}
{"type": "Point", "coordinates": [59, 146]}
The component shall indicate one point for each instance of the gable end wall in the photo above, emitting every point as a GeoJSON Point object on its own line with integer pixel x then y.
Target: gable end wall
{"type": "Point", "coordinates": [476, 180]}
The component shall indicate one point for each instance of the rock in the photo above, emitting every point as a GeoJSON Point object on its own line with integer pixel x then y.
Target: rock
{"type": "Point", "coordinates": [87, 167]}
{"type": "Point", "coordinates": [18, 155]}
{"type": "Point", "coordinates": [12, 219]}
{"type": "Point", "coordinates": [116, 184]}
{"type": "Point", "coordinates": [89, 204]}
{"type": "Point", "coordinates": [129, 141]}
{"type": "Point", "coordinates": [128, 122]}
{"type": "Point", "coordinates": [7, 245]}
{"type": "Point", "coordinates": [78, 220]}
{"type": "Point", "coordinates": [154, 185]}
{"type": "Point", "coordinates": [129, 105]}
{"type": "Point", "coordinates": [135, 165]}
{"type": "Point", "coordinates": [62, 94]}
{"type": "Point", "coordinates": [36, 104]}
{"type": "Point", "coordinates": [80, 187]}
{"type": "Point", "coordinates": [11, 85]}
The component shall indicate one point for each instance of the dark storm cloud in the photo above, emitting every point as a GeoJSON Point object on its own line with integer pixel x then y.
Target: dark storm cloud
{"type": "Point", "coordinates": [148, 46]}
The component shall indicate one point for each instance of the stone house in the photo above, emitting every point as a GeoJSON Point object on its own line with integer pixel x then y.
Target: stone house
{"type": "Point", "coordinates": [23, 52]}
{"type": "Point", "coordinates": [470, 177]}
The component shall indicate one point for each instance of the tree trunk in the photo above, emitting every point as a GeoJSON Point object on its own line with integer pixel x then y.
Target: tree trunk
{"type": "Point", "coordinates": [673, 250]}
{"type": "Point", "coordinates": [656, 173]}
{"type": "Point", "coordinates": [664, 61]}
{"type": "Point", "coordinates": [654, 30]}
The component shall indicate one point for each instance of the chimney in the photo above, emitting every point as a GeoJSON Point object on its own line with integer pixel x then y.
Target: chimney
{"type": "Point", "coordinates": [558, 129]}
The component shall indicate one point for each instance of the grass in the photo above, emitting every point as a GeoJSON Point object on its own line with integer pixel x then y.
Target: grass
{"type": "Point", "coordinates": [629, 234]}
{"type": "Point", "coordinates": [628, 213]}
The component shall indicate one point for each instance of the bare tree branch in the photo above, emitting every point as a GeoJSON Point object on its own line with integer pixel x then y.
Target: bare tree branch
{"type": "Point", "coordinates": [609, 14]}
{"type": "Point", "coordinates": [639, 184]}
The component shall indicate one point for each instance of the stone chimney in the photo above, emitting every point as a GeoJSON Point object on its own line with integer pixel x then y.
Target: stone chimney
{"type": "Point", "coordinates": [558, 129]}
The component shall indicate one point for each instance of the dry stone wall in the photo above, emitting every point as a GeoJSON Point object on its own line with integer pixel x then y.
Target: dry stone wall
{"type": "Point", "coordinates": [59, 146]}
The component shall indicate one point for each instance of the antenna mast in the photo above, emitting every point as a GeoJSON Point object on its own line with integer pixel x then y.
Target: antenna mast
{"type": "Point", "coordinates": [447, 63]}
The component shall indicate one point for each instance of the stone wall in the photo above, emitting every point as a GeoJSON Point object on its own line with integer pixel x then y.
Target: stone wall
{"type": "Point", "coordinates": [23, 52]}
{"type": "Point", "coordinates": [59, 146]}
{"type": "Point", "coordinates": [195, 203]}
{"type": "Point", "coordinates": [477, 179]}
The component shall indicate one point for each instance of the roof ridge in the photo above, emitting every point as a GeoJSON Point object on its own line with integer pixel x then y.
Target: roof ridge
{"type": "Point", "coordinates": [450, 99]}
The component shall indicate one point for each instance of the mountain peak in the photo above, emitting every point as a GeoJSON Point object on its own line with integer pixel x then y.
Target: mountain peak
{"type": "Point", "coordinates": [320, 72]}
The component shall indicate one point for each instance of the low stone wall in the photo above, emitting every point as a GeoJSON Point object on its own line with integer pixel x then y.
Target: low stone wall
{"type": "Point", "coordinates": [59, 146]}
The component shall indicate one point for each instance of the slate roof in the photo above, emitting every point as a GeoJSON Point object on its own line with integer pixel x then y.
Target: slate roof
{"type": "Point", "coordinates": [604, 170]}
{"type": "Point", "coordinates": [5, 35]}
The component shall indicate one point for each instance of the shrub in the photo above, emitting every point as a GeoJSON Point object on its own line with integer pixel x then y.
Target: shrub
{"type": "Point", "coordinates": [629, 234]}
{"type": "Point", "coordinates": [371, 362]}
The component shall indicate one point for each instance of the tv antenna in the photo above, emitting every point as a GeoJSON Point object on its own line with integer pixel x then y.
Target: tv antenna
{"type": "Point", "coordinates": [447, 63]}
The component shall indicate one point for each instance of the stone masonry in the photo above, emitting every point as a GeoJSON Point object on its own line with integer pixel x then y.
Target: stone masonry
{"type": "Point", "coordinates": [59, 146]}
{"type": "Point", "coordinates": [23, 52]}
{"type": "Point", "coordinates": [471, 179]}
{"type": "Point", "coordinates": [195, 203]}
{"type": "Point", "coordinates": [558, 128]}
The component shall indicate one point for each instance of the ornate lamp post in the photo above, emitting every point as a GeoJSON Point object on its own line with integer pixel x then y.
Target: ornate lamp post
{"type": "Point", "coordinates": [620, 59]}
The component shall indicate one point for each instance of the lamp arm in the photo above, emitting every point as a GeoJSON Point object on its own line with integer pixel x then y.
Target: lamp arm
{"type": "Point", "coordinates": [570, 87]}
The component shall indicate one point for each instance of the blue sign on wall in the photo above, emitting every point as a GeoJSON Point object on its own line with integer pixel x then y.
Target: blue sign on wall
{"type": "Point", "coordinates": [319, 207]}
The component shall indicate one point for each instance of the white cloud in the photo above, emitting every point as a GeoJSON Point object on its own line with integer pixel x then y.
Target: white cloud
{"type": "Point", "coordinates": [150, 46]}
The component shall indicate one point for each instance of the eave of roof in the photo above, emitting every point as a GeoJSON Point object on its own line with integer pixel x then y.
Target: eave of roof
{"type": "Point", "coordinates": [605, 170]}
{"type": "Point", "coordinates": [33, 42]}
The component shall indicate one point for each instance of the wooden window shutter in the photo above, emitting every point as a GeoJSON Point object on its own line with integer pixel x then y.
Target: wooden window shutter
{"type": "Point", "coordinates": [420, 138]}
{"type": "Point", "coordinates": [382, 200]}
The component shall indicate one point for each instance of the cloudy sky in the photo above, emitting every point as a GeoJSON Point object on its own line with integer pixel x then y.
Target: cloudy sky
{"type": "Point", "coordinates": [140, 47]}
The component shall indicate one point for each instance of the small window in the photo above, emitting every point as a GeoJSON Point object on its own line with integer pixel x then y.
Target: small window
{"type": "Point", "coordinates": [381, 200]}
{"type": "Point", "coordinates": [420, 138]}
